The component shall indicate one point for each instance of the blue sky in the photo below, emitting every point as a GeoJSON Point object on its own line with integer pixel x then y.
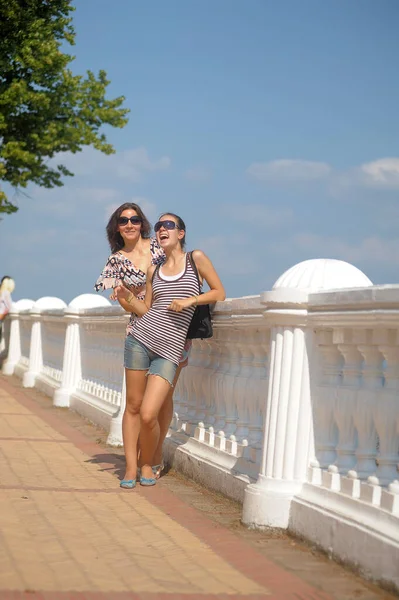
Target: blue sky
{"type": "Point", "coordinates": [271, 127]}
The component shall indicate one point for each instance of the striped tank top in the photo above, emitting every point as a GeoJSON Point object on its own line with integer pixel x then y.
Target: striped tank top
{"type": "Point", "coordinates": [161, 330]}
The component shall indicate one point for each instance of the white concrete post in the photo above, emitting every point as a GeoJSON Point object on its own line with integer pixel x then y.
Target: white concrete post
{"type": "Point", "coordinates": [71, 365]}
{"type": "Point", "coordinates": [35, 352]}
{"type": "Point", "coordinates": [14, 349]}
{"type": "Point", "coordinates": [288, 444]}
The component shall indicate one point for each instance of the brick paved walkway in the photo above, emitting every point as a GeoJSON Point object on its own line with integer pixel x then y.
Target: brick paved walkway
{"type": "Point", "coordinates": [68, 531]}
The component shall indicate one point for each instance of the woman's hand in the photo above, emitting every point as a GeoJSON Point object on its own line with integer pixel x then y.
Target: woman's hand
{"type": "Point", "coordinates": [122, 293]}
{"type": "Point", "coordinates": [118, 283]}
{"type": "Point", "coordinates": [179, 305]}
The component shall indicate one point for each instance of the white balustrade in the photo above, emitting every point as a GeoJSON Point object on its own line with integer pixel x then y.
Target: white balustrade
{"type": "Point", "coordinates": [40, 333]}
{"type": "Point", "coordinates": [291, 407]}
{"type": "Point", "coordinates": [353, 477]}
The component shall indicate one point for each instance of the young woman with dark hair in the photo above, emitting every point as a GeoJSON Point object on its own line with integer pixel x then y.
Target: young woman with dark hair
{"type": "Point", "coordinates": [133, 252]}
{"type": "Point", "coordinates": [120, 217]}
{"type": "Point", "coordinates": [156, 340]}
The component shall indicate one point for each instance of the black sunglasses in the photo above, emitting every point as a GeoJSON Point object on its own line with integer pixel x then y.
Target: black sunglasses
{"type": "Point", "coordinates": [166, 224]}
{"type": "Point", "coordinates": [125, 220]}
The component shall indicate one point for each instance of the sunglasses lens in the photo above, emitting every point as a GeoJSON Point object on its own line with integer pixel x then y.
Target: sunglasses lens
{"type": "Point", "coordinates": [166, 224]}
{"type": "Point", "coordinates": [125, 220]}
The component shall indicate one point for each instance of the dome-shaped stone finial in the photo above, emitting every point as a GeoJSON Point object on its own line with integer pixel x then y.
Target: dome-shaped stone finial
{"type": "Point", "coordinates": [48, 303]}
{"type": "Point", "coordinates": [89, 301]}
{"type": "Point", "coordinates": [23, 304]}
{"type": "Point", "coordinates": [322, 274]}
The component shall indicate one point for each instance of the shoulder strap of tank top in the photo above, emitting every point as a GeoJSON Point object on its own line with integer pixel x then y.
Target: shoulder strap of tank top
{"type": "Point", "coordinates": [194, 267]}
{"type": "Point", "coordinates": [155, 272]}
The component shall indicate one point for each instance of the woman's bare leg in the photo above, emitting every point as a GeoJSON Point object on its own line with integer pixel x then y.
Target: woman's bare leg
{"type": "Point", "coordinates": [164, 419]}
{"type": "Point", "coordinates": [155, 395]}
{"type": "Point", "coordinates": [135, 387]}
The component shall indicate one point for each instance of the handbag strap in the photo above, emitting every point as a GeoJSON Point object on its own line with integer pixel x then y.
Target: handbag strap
{"type": "Point", "coordinates": [194, 266]}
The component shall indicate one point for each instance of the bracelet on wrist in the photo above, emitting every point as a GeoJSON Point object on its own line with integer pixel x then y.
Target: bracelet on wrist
{"type": "Point", "coordinates": [196, 300]}
{"type": "Point", "coordinates": [129, 298]}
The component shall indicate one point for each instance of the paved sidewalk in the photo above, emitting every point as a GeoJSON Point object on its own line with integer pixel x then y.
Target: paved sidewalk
{"type": "Point", "coordinates": [68, 531]}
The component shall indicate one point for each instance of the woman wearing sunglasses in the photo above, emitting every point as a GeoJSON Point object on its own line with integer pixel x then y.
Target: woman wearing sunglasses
{"type": "Point", "coordinates": [133, 252]}
{"type": "Point", "coordinates": [156, 340]}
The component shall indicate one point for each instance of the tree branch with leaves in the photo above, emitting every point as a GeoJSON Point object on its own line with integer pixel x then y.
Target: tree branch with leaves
{"type": "Point", "coordinates": [44, 108]}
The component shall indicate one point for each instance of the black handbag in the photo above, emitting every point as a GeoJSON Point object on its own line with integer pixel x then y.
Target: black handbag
{"type": "Point", "coordinates": [201, 323]}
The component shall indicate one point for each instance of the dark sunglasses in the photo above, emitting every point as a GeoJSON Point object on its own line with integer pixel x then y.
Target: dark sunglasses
{"type": "Point", "coordinates": [125, 220]}
{"type": "Point", "coordinates": [166, 224]}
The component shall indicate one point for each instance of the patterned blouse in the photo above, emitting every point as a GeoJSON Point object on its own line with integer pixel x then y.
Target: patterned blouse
{"type": "Point", "coordinates": [120, 269]}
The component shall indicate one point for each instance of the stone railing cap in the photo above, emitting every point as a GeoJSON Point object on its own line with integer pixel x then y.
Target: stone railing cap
{"type": "Point", "coordinates": [383, 296]}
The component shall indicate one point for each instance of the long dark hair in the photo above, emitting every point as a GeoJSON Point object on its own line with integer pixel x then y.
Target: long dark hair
{"type": "Point", "coordinates": [180, 223]}
{"type": "Point", "coordinates": [115, 239]}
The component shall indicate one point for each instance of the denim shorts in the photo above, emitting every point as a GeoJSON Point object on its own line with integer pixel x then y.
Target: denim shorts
{"type": "Point", "coordinates": [140, 358]}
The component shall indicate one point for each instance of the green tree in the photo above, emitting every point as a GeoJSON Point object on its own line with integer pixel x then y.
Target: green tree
{"type": "Point", "coordinates": [44, 108]}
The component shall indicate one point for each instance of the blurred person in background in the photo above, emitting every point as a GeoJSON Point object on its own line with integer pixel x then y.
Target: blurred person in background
{"type": "Point", "coordinates": [7, 286]}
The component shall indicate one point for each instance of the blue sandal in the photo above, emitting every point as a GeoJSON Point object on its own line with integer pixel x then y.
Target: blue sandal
{"type": "Point", "coordinates": [157, 470]}
{"type": "Point", "coordinates": [128, 484]}
{"type": "Point", "coordinates": [147, 481]}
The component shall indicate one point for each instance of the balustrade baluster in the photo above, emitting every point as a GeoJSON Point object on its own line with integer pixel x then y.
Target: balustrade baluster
{"type": "Point", "coordinates": [366, 403]}
{"type": "Point", "coordinates": [345, 407]}
{"type": "Point", "coordinates": [201, 382]}
{"type": "Point", "coordinates": [210, 367]}
{"type": "Point", "coordinates": [220, 400]}
{"type": "Point", "coordinates": [182, 395]}
{"type": "Point", "coordinates": [257, 390]}
{"type": "Point", "coordinates": [232, 367]}
{"type": "Point", "coordinates": [386, 414]}
{"type": "Point", "coordinates": [325, 428]}
{"type": "Point", "coordinates": [194, 383]}
{"type": "Point", "coordinates": [241, 391]}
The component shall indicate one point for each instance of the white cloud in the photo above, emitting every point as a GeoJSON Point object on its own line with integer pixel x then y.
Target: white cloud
{"type": "Point", "coordinates": [258, 214]}
{"type": "Point", "coordinates": [109, 209]}
{"type": "Point", "coordinates": [66, 201]}
{"type": "Point", "coordinates": [372, 249]}
{"type": "Point", "coordinates": [383, 172]}
{"type": "Point", "coordinates": [96, 195]}
{"type": "Point", "coordinates": [149, 208]}
{"type": "Point", "coordinates": [230, 259]}
{"type": "Point", "coordinates": [289, 170]}
{"type": "Point", "coordinates": [126, 164]}
{"type": "Point", "coordinates": [132, 164]}
{"type": "Point", "coordinates": [198, 174]}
